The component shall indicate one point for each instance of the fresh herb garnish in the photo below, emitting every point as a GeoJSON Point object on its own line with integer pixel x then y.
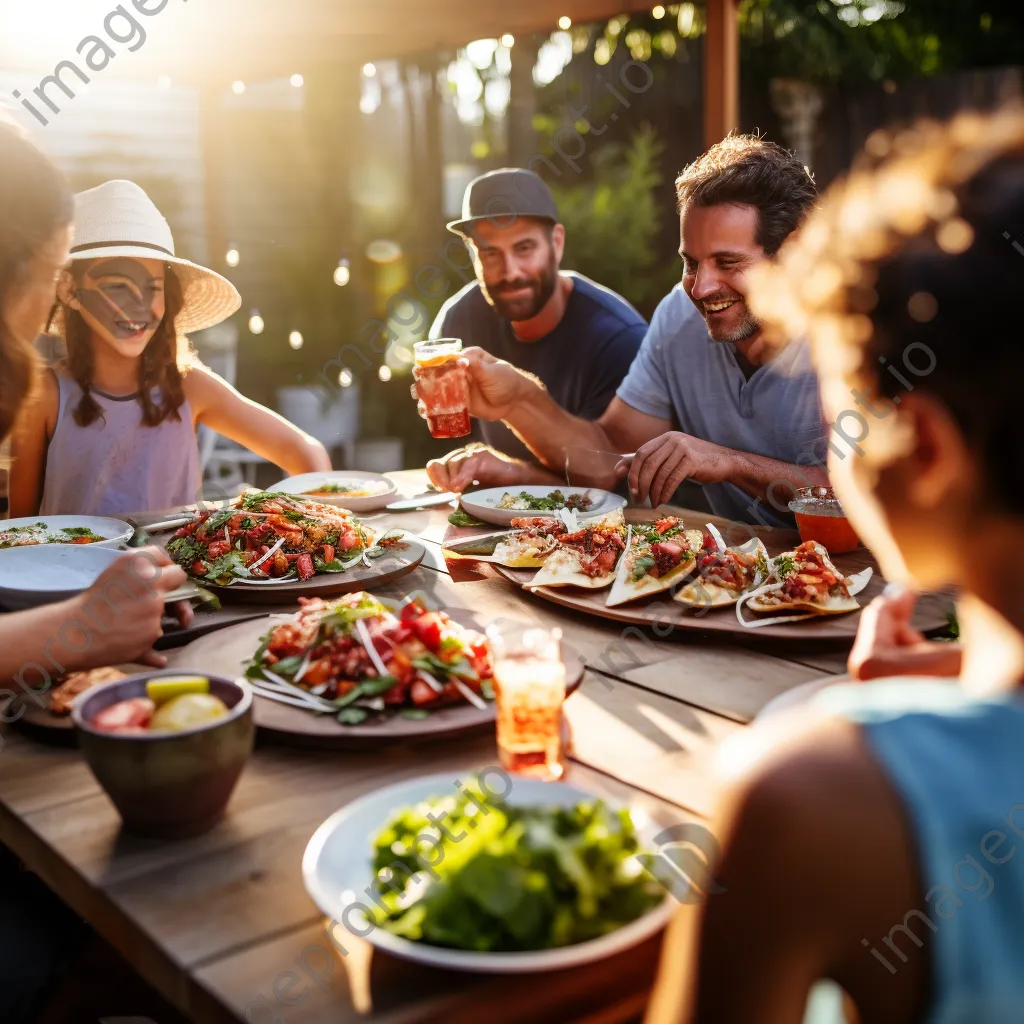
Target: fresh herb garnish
{"type": "Point", "coordinates": [642, 566]}
{"type": "Point", "coordinates": [784, 566]}
{"type": "Point", "coordinates": [461, 518]}
{"type": "Point", "coordinates": [353, 716]}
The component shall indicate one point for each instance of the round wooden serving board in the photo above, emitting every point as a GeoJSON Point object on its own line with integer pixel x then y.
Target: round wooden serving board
{"type": "Point", "coordinates": [228, 651]}
{"type": "Point", "coordinates": [660, 610]}
{"type": "Point", "coordinates": [398, 561]}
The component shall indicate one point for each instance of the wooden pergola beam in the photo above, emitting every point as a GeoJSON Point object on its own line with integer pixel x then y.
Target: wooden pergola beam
{"type": "Point", "coordinates": [721, 70]}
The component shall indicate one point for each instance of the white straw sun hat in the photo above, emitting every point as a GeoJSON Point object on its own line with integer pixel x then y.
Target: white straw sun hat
{"type": "Point", "coordinates": [119, 219]}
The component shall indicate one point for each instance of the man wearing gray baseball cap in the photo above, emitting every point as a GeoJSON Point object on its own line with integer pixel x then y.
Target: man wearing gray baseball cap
{"type": "Point", "coordinates": [577, 337]}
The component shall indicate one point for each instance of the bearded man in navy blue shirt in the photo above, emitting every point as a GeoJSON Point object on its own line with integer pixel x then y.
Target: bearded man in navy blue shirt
{"type": "Point", "coordinates": [575, 336]}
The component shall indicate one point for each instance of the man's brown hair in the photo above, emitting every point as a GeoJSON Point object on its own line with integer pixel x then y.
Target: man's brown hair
{"type": "Point", "coordinates": [747, 170]}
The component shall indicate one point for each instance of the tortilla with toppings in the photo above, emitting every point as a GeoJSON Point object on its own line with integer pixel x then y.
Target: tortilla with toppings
{"type": "Point", "coordinates": [76, 683]}
{"type": "Point", "coordinates": [724, 575]}
{"type": "Point", "coordinates": [807, 581]}
{"type": "Point", "coordinates": [661, 553]}
{"type": "Point", "coordinates": [534, 540]}
{"type": "Point", "coordinates": [586, 557]}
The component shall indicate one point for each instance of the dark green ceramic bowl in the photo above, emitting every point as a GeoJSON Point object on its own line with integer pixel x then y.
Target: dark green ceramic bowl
{"type": "Point", "coordinates": [170, 785]}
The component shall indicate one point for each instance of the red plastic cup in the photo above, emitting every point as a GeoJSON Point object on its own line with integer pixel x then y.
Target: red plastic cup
{"type": "Point", "coordinates": [443, 387]}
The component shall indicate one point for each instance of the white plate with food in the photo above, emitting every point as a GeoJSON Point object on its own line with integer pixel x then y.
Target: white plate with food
{"type": "Point", "coordinates": [32, 576]}
{"type": "Point", "coordinates": [352, 489]}
{"type": "Point", "coordinates": [79, 531]}
{"type": "Point", "coordinates": [500, 505]}
{"type": "Point", "coordinates": [364, 861]}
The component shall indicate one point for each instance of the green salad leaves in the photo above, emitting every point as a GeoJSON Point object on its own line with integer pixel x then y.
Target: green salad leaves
{"type": "Point", "coordinates": [503, 878]}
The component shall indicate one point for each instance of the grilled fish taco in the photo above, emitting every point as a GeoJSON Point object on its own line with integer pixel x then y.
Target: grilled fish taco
{"type": "Point", "coordinates": [724, 574]}
{"type": "Point", "coordinates": [660, 553]}
{"type": "Point", "coordinates": [533, 541]}
{"type": "Point", "coordinates": [586, 557]}
{"type": "Point", "coordinates": [806, 581]}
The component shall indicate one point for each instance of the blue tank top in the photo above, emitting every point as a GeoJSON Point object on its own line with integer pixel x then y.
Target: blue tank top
{"type": "Point", "coordinates": [118, 465]}
{"type": "Point", "coordinates": [957, 764]}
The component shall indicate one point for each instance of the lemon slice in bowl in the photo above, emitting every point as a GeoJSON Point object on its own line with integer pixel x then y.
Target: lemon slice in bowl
{"type": "Point", "coordinates": [186, 711]}
{"type": "Point", "coordinates": [165, 688]}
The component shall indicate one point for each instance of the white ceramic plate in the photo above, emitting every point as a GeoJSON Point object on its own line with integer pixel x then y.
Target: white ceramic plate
{"type": "Point", "coordinates": [48, 573]}
{"type": "Point", "coordinates": [114, 532]}
{"type": "Point", "coordinates": [337, 869]}
{"type": "Point", "coordinates": [483, 504]}
{"type": "Point", "coordinates": [384, 488]}
{"type": "Point", "coordinates": [800, 695]}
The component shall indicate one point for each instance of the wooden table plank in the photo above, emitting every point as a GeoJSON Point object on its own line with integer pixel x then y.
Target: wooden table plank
{"type": "Point", "coordinates": [648, 741]}
{"type": "Point", "coordinates": [327, 987]}
{"type": "Point", "coordinates": [729, 681]}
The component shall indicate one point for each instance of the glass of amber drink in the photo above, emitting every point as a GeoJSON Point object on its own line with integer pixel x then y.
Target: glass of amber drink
{"type": "Point", "coordinates": [443, 386]}
{"type": "Point", "coordinates": [529, 678]}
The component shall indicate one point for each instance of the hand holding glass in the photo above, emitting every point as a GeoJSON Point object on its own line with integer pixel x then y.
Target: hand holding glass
{"type": "Point", "coordinates": [442, 384]}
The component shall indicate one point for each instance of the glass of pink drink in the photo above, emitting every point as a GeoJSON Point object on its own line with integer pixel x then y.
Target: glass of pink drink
{"type": "Point", "coordinates": [443, 386]}
{"type": "Point", "coordinates": [529, 688]}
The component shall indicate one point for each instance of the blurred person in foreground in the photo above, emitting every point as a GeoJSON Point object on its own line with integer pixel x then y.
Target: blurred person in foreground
{"type": "Point", "coordinates": [574, 336]}
{"type": "Point", "coordinates": [121, 612]}
{"type": "Point", "coordinates": [705, 399]}
{"type": "Point", "coordinates": [876, 837]}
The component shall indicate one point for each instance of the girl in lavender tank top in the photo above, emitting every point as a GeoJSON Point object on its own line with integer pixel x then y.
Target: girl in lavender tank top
{"type": "Point", "coordinates": [114, 429]}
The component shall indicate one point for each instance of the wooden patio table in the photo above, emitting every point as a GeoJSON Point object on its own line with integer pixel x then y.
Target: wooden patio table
{"type": "Point", "coordinates": [222, 926]}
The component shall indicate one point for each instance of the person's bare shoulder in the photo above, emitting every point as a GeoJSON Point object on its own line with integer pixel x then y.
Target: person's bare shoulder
{"type": "Point", "coordinates": [202, 386]}
{"type": "Point", "coordinates": [44, 406]}
{"type": "Point", "coordinates": [817, 856]}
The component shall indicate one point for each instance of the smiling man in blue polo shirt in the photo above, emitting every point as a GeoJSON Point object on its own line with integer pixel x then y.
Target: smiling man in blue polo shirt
{"type": "Point", "coordinates": [705, 399]}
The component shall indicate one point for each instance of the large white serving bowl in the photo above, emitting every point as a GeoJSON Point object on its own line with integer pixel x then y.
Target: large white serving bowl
{"type": "Point", "coordinates": [48, 573]}
{"type": "Point", "coordinates": [483, 504]}
{"type": "Point", "coordinates": [337, 869]}
{"type": "Point", "coordinates": [369, 503]}
{"type": "Point", "coordinates": [114, 532]}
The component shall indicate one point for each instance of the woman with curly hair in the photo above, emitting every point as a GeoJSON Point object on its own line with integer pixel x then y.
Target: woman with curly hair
{"type": "Point", "coordinates": [114, 430]}
{"type": "Point", "coordinates": [876, 837]}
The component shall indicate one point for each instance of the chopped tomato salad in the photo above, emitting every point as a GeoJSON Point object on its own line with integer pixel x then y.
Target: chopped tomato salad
{"type": "Point", "coordinates": [267, 536]}
{"type": "Point", "coordinates": [355, 655]}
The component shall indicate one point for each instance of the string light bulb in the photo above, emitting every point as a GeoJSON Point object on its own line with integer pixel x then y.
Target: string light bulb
{"type": "Point", "coordinates": [508, 40]}
{"type": "Point", "coordinates": [369, 70]}
{"type": "Point", "coordinates": [256, 324]}
{"type": "Point", "coordinates": [658, 12]}
{"type": "Point", "coordinates": [297, 81]}
{"type": "Point", "coordinates": [342, 273]}
{"type": "Point", "coordinates": [232, 257]}
{"type": "Point", "coordinates": [384, 373]}
{"type": "Point", "coordinates": [238, 87]}
{"type": "Point", "coordinates": [565, 23]}
{"type": "Point", "coordinates": [345, 378]}
{"type": "Point", "coordinates": [295, 340]}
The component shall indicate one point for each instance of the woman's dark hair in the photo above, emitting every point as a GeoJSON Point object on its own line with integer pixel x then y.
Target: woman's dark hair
{"type": "Point", "coordinates": [160, 366]}
{"type": "Point", "coordinates": [909, 277]}
{"type": "Point", "coordinates": [35, 203]}
{"type": "Point", "coordinates": [747, 170]}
